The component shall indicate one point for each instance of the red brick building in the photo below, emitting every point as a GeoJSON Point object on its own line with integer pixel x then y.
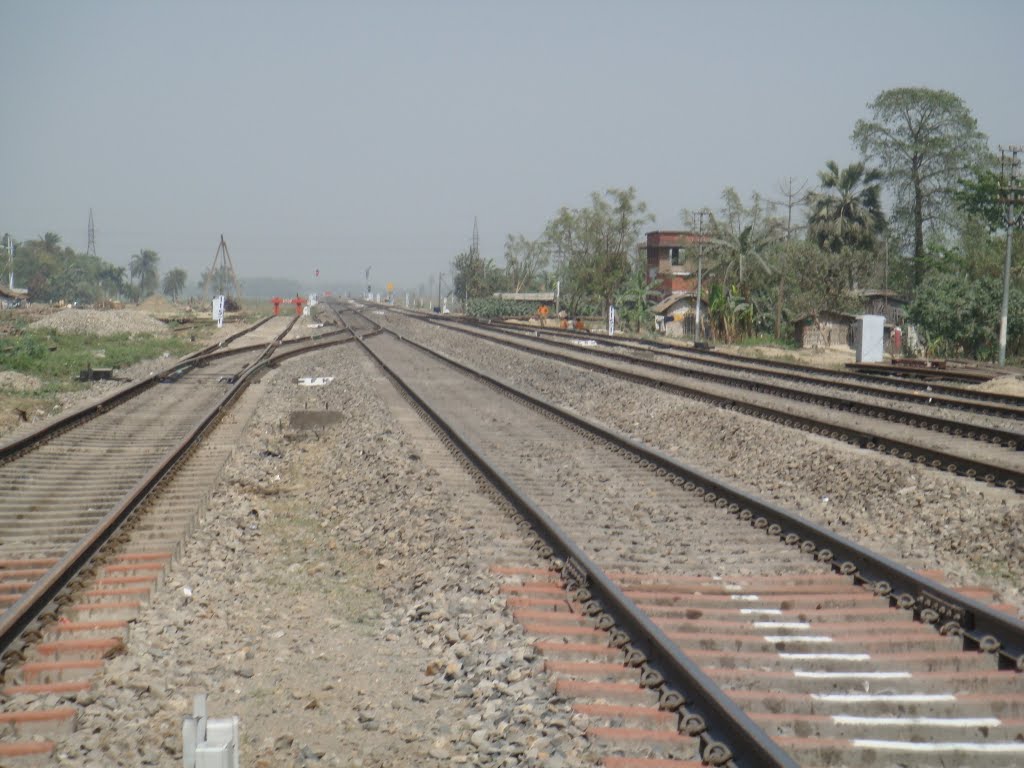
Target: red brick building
{"type": "Point", "coordinates": [672, 260]}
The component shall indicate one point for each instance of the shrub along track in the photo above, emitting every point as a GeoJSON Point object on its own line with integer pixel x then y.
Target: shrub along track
{"type": "Point", "coordinates": [93, 508]}
{"type": "Point", "coordinates": [782, 621]}
{"type": "Point", "coordinates": [976, 445]}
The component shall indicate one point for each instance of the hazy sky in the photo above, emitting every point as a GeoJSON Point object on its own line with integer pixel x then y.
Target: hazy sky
{"type": "Point", "coordinates": [340, 135]}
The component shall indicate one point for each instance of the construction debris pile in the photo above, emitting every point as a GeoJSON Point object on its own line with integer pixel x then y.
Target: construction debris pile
{"type": "Point", "coordinates": [110, 322]}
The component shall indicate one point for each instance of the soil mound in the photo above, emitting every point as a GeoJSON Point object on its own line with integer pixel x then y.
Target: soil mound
{"type": "Point", "coordinates": [103, 322]}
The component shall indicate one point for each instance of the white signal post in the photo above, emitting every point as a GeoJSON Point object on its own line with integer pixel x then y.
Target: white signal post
{"type": "Point", "coordinates": [218, 310]}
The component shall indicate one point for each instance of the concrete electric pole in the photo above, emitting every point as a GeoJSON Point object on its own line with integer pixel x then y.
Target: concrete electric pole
{"type": "Point", "coordinates": [1012, 196]}
{"type": "Point", "coordinates": [700, 271]}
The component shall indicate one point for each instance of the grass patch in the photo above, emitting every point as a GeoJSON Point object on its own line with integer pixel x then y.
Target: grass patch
{"type": "Point", "coordinates": [56, 359]}
{"type": "Point", "coordinates": [767, 340]}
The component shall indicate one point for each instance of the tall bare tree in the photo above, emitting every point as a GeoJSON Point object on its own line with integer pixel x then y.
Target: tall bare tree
{"type": "Point", "coordinates": [924, 141]}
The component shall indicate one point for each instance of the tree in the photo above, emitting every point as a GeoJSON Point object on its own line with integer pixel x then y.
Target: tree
{"type": "Point", "coordinates": [925, 141]}
{"type": "Point", "coordinates": [816, 279]}
{"type": "Point", "coordinates": [595, 246]}
{"type": "Point", "coordinates": [174, 283]}
{"type": "Point", "coordinates": [961, 317]}
{"type": "Point", "coordinates": [634, 299]}
{"type": "Point", "coordinates": [980, 197]}
{"type": "Point", "coordinates": [111, 280]}
{"type": "Point", "coordinates": [473, 276]}
{"type": "Point", "coordinates": [847, 211]}
{"type": "Point", "coordinates": [144, 266]}
{"type": "Point", "coordinates": [741, 238]}
{"type": "Point", "coordinates": [731, 313]}
{"type": "Point", "coordinates": [51, 272]}
{"type": "Point", "coordinates": [525, 261]}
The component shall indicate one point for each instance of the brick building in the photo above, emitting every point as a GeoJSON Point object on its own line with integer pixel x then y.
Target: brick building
{"type": "Point", "coordinates": [671, 260]}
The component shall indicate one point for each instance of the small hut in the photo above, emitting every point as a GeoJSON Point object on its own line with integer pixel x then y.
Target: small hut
{"type": "Point", "coordinates": [675, 315]}
{"type": "Point", "coordinates": [824, 329]}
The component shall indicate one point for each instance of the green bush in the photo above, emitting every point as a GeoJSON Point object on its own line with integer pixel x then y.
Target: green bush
{"type": "Point", "coordinates": [961, 317]}
{"type": "Point", "coordinates": [492, 307]}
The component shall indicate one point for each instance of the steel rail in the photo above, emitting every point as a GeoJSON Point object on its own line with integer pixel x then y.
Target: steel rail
{"type": "Point", "coordinates": [77, 416]}
{"type": "Point", "coordinates": [1008, 438]}
{"type": "Point", "coordinates": [285, 354]}
{"type": "Point", "coordinates": [980, 626]}
{"type": "Point", "coordinates": [32, 605]}
{"type": "Point", "coordinates": [218, 344]}
{"type": "Point", "coordinates": [990, 403]}
{"type": "Point", "coordinates": [736, 735]}
{"type": "Point", "coordinates": [80, 415]}
{"type": "Point", "coordinates": [941, 460]}
{"type": "Point", "coordinates": [217, 350]}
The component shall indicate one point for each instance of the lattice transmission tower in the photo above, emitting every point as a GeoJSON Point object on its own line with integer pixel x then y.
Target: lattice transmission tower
{"type": "Point", "coordinates": [221, 275]}
{"type": "Point", "coordinates": [90, 249]}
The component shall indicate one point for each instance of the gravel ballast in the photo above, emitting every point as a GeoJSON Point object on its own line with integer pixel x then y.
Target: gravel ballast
{"type": "Point", "coordinates": [337, 595]}
{"type": "Point", "coordinates": [338, 599]}
{"type": "Point", "coordinates": [931, 519]}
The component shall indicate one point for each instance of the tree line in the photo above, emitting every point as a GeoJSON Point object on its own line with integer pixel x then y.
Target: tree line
{"type": "Point", "coordinates": [52, 272]}
{"type": "Point", "coordinates": [771, 259]}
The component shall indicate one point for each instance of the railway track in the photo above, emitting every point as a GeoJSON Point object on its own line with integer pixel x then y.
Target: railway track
{"type": "Point", "coordinates": [930, 392]}
{"type": "Point", "coordinates": [95, 505]}
{"type": "Point", "coordinates": [979, 446]}
{"type": "Point", "coordinates": [701, 622]}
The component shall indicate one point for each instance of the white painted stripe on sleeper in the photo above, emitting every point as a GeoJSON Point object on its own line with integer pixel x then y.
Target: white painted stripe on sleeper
{"type": "Point", "coordinates": [892, 698]}
{"type": "Point", "coordinates": [940, 722]}
{"type": "Point", "coordinates": [826, 656]}
{"type": "Point", "coordinates": [822, 675]}
{"type": "Point", "coordinates": [996, 747]}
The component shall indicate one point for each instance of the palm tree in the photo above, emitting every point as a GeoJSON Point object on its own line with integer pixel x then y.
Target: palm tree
{"type": "Point", "coordinates": [144, 266]}
{"type": "Point", "coordinates": [50, 242]}
{"type": "Point", "coordinates": [847, 211]}
{"type": "Point", "coordinates": [174, 283]}
{"type": "Point", "coordinates": [112, 279]}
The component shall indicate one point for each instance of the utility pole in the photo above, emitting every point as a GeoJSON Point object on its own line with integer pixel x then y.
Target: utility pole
{"type": "Point", "coordinates": [1011, 194]}
{"type": "Point", "coordinates": [475, 265]}
{"type": "Point", "coordinates": [700, 271]}
{"type": "Point", "coordinates": [885, 287]}
{"type": "Point", "coordinates": [793, 198]}
{"type": "Point", "coordinates": [10, 262]}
